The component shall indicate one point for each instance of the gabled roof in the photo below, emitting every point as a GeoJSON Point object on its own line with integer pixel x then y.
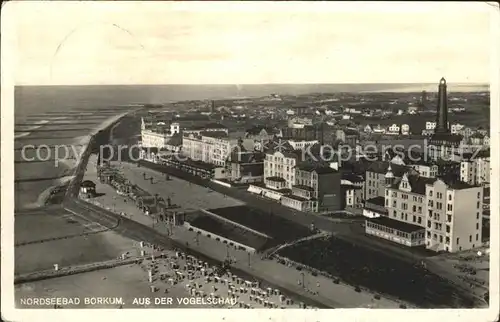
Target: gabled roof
{"type": "Point", "coordinates": [448, 137]}
{"type": "Point", "coordinates": [318, 168]}
{"type": "Point", "coordinates": [175, 140]}
{"type": "Point", "coordinates": [214, 134]}
{"type": "Point", "coordinates": [417, 183]}
{"type": "Point", "coordinates": [382, 166]}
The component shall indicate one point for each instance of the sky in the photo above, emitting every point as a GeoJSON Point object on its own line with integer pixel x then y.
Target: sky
{"type": "Point", "coordinates": [247, 43]}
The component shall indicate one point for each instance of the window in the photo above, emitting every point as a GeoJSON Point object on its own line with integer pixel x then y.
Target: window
{"type": "Point", "coordinates": [420, 220]}
{"type": "Point", "coordinates": [477, 216]}
{"type": "Point", "coordinates": [434, 237]}
{"type": "Point", "coordinates": [430, 213]}
{"type": "Point", "coordinates": [395, 213]}
{"type": "Point", "coordinates": [414, 208]}
{"type": "Point", "coordinates": [470, 238]}
{"type": "Point", "coordinates": [478, 195]}
{"type": "Point", "coordinates": [458, 241]}
{"type": "Point", "coordinates": [387, 192]}
{"type": "Point", "coordinates": [477, 225]}
{"type": "Point", "coordinates": [419, 210]}
{"type": "Point", "coordinates": [429, 224]}
{"type": "Point", "coordinates": [430, 193]}
{"type": "Point", "coordinates": [447, 240]}
{"type": "Point", "coordinates": [477, 236]}
{"type": "Point", "coordinates": [449, 197]}
{"type": "Point", "coordinates": [414, 218]}
{"type": "Point", "coordinates": [440, 238]}
{"type": "Point", "coordinates": [447, 228]}
{"type": "Point", "coordinates": [429, 234]}
{"type": "Point", "coordinates": [448, 218]}
{"type": "Point", "coordinates": [478, 205]}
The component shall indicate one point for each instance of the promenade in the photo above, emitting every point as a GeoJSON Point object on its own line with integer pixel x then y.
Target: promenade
{"type": "Point", "coordinates": [318, 288]}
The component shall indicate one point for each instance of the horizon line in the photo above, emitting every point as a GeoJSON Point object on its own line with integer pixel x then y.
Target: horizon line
{"type": "Point", "coordinates": [260, 84]}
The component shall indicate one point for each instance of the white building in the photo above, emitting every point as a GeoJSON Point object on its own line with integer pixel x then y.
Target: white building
{"type": "Point", "coordinates": [302, 144]}
{"type": "Point", "coordinates": [453, 216]}
{"type": "Point", "coordinates": [476, 171]}
{"type": "Point", "coordinates": [428, 170]}
{"type": "Point", "coordinates": [456, 128]}
{"type": "Point", "coordinates": [210, 147]}
{"type": "Point", "coordinates": [405, 129]}
{"type": "Point", "coordinates": [393, 129]}
{"type": "Point", "coordinates": [430, 125]}
{"type": "Point", "coordinates": [158, 136]}
{"type": "Point", "coordinates": [281, 165]}
{"type": "Point", "coordinates": [379, 130]}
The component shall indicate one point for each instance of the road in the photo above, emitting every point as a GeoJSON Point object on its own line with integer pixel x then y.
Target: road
{"type": "Point", "coordinates": [345, 229]}
{"type": "Point", "coordinates": [139, 232]}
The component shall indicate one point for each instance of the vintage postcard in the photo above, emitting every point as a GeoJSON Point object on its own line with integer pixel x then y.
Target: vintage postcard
{"type": "Point", "coordinates": [311, 160]}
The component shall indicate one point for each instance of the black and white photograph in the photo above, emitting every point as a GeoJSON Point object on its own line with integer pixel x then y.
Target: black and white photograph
{"type": "Point", "coordinates": [205, 156]}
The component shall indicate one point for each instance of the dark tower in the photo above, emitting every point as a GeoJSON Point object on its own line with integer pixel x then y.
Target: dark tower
{"type": "Point", "coordinates": [442, 109]}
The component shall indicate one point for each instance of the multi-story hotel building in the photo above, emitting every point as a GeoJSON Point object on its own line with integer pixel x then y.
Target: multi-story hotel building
{"type": "Point", "coordinates": [282, 164]}
{"type": "Point", "coordinates": [316, 189]}
{"type": "Point", "coordinates": [440, 214]}
{"type": "Point", "coordinates": [375, 177]}
{"type": "Point", "coordinates": [211, 147]}
{"type": "Point", "coordinates": [476, 171]}
{"type": "Point", "coordinates": [453, 216]}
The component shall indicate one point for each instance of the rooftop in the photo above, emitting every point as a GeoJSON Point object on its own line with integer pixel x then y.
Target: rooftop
{"type": "Point", "coordinates": [447, 137]}
{"type": "Point", "coordinates": [395, 224]}
{"type": "Point", "coordinates": [175, 140]}
{"type": "Point", "coordinates": [417, 183]}
{"type": "Point", "coordinates": [303, 187]}
{"type": "Point", "coordinates": [214, 134]}
{"type": "Point", "coordinates": [381, 167]}
{"type": "Point", "coordinates": [318, 168]}
{"type": "Point", "coordinates": [298, 198]}
{"type": "Point", "coordinates": [279, 228]}
{"type": "Point", "coordinates": [276, 179]}
{"type": "Point", "coordinates": [379, 201]}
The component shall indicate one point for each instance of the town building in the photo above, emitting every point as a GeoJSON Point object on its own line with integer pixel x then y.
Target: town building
{"type": "Point", "coordinates": [316, 189]}
{"type": "Point", "coordinates": [394, 129]}
{"type": "Point", "coordinates": [282, 164]}
{"type": "Point", "coordinates": [262, 135]}
{"type": "Point", "coordinates": [245, 166]}
{"type": "Point", "coordinates": [157, 135]}
{"type": "Point", "coordinates": [211, 147]}
{"type": "Point", "coordinates": [443, 215]}
{"type": "Point", "coordinates": [375, 177]}
{"type": "Point", "coordinates": [405, 129]}
{"type": "Point", "coordinates": [210, 127]}
{"type": "Point", "coordinates": [453, 216]}
{"type": "Point", "coordinates": [348, 137]}
{"type": "Point", "coordinates": [301, 144]}
{"type": "Point", "coordinates": [476, 170]}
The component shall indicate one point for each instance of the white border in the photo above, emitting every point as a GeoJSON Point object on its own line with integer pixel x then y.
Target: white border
{"type": "Point", "coordinates": [9, 313]}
